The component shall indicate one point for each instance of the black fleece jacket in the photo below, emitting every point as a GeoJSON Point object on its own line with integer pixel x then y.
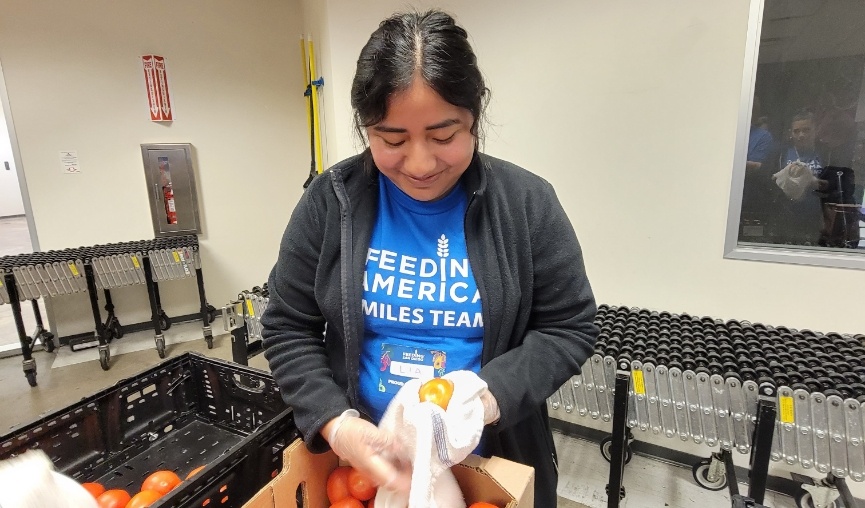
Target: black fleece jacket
{"type": "Point", "coordinates": [538, 306]}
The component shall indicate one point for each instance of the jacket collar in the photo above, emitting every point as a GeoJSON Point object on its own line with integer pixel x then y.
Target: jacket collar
{"type": "Point", "coordinates": [475, 178]}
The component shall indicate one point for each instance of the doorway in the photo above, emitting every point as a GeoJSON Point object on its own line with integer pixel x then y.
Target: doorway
{"type": "Point", "coordinates": [17, 235]}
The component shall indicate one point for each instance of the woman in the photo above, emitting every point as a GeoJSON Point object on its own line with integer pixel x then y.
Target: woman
{"type": "Point", "coordinates": [421, 255]}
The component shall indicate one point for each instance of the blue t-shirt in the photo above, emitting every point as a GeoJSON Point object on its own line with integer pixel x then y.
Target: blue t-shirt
{"type": "Point", "coordinates": [422, 308]}
{"type": "Point", "coordinates": [804, 215]}
{"type": "Point", "coordinates": [760, 143]}
{"type": "Point", "coordinates": [811, 159]}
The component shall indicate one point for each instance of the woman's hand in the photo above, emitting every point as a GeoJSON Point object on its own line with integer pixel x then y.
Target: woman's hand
{"type": "Point", "coordinates": [370, 450]}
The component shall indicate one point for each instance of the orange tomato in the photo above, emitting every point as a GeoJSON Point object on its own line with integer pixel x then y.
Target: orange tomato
{"type": "Point", "coordinates": [482, 505]}
{"type": "Point", "coordinates": [337, 484]}
{"type": "Point", "coordinates": [360, 486]}
{"type": "Point", "coordinates": [95, 489]}
{"type": "Point", "coordinates": [114, 498]}
{"type": "Point", "coordinates": [161, 481]}
{"type": "Point", "coordinates": [195, 472]}
{"type": "Point", "coordinates": [144, 499]}
{"type": "Point", "coordinates": [438, 391]}
{"type": "Point", "coordinates": [348, 502]}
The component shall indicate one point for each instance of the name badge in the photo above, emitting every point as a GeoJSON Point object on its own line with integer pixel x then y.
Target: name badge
{"type": "Point", "coordinates": [400, 364]}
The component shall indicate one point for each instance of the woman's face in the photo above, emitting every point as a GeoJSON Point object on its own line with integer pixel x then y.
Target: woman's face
{"type": "Point", "coordinates": [424, 144]}
{"type": "Point", "coordinates": [803, 134]}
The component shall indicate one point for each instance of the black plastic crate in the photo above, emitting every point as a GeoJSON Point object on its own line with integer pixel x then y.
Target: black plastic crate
{"type": "Point", "coordinates": [187, 412]}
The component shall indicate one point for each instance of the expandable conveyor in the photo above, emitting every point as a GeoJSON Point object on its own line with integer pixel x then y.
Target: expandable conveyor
{"type": "Point", "coordinates": [702, 380]}
{"type": "Point", "coordinates": [87, 269]}
{"type": "Point", "coordinates": [242, 317]}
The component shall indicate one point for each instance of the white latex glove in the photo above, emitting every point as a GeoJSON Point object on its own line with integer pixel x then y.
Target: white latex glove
{"type": "Point", "coordinates": [29, 481]}
{"type": "Point", "coordinates": [491, 407]}
{"type": "Point", "coordinates": [374, 452]}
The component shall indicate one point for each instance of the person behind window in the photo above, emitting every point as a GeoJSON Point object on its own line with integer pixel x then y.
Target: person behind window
{"type": "Point", "coordinates": [758, 187]}
{"type": "Point", "coordinates": [760, 141]}
{"type": "Point", "coordinates": [836, 132]}
{"type": "Point", "coordinates": [800, 210]}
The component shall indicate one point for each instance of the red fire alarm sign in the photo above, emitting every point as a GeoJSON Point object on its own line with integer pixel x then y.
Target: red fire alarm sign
{"type": "Point", "coordinates": [156, 80]}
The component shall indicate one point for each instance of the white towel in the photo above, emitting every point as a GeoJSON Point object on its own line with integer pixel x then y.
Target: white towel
{"type": "Point", "coordinates": [795, 179]}
{"type": "Point", "coordinates": [29, 481]}
{"type": "Point", "coordinates": [434, 440]}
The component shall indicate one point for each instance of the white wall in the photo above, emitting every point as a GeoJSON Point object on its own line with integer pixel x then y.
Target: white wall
{"type": "Point", "coordinates": [10, 192]}
{"type": "Point", "coordinates": [75, 82]}
{"type": "Point", "coordinates": [630, 110]}
{"type": "Point", "coordinates": [317, 25]}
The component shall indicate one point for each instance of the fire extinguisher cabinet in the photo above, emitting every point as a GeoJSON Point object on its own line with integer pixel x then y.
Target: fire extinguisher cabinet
{"type": "Point", "coordinates": [171, 189]}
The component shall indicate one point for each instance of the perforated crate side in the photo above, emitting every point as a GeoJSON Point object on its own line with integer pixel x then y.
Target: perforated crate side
{"type": "Point", "coordinates": [235, 396]}
{"type": "Point", "coordinates": [232, 481]}
{"type": "Point", "coordinates": [149, 405]}
{"type": "Point", "coordinates": [83, 436]}
{"type": "Point", "coordinates": [73, 440]}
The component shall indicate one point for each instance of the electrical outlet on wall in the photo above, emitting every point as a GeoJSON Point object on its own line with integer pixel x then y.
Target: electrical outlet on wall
{"type": "Point", "coordinates": [6, 164]}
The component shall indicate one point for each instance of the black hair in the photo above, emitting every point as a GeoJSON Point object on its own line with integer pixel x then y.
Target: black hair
{"type": "Point", "coordinates": [429, 45]}
{"type": "Point", "coordinates": [803, 115]}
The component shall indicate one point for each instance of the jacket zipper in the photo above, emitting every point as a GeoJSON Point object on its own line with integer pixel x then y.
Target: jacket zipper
{"type": "Point", "coordinates": [345, 279]}
{"type": "Point", "coordinates": [481, 287]}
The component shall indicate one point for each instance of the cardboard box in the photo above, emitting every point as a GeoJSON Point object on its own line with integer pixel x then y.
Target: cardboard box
{"type": "Point", "coordinates": [498, 481]}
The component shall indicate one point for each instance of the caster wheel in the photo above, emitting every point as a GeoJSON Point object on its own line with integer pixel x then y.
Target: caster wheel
{"type": "Point", "coordinates": [164, 322]}
{"type": "Point", "coordinates": [31, 377]}
{"type": "Point", "coordinates": [48, 342]}
{"type": "Point", "coordinates": [160, 347]}
{"type": "Point", "coordinates": [209, 340]}
{"type": "Point", "coordinates": [211, 313]}
{"type": "Point", "coordinates": [804, 500]}
{"type": "Point", "coordinates": [117, 330]}
{"type": "Point", "coordinates": [701, 471]}
{"type": "Point", "coordinates": [105, 359]}
{"type": "Point", "coordinates": [607, 450]}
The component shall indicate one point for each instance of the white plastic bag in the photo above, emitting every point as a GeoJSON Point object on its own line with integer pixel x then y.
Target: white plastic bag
{"type": "Point", "coordinates": [795, 180]}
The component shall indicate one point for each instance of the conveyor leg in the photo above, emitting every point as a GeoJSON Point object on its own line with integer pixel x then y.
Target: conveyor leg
{"type": "Point", "coordinates": [618, 445]}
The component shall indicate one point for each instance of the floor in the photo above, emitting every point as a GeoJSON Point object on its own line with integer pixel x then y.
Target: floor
{"type": "Point", "coordinates": [649, 483]}
{"type": "Point", "coordinates": [15, 239]}
{"type": "Point", "coordinates": [14, 236]}
{"type": "Point", "coordinates": [583, 472]}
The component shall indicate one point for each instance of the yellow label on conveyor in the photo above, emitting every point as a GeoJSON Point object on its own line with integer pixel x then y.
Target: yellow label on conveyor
{"type": "Point", "coordinates": [639, 384]}
{"type": "Point", "coordinates": [73, 269]}
{"type": "Point", "coordinates": [788, 415]}
{"type": "Point", "coordinates": [249, 308]}
{"type": "Point", "coordinates": [135, 262]}
{"type": "Point", "coordinates": [176, 257]}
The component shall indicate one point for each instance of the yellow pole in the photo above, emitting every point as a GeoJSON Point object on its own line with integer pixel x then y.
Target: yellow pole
{"type": "Point", "coordinates": [315, 116]}
{"type": "Point", "coordinates": [308, 107]}
{"type": "Point", "coordinates": [305, 64]}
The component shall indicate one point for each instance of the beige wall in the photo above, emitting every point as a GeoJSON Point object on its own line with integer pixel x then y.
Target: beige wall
{"type": "Point", "coordinates": [317, 26]}
{"type": "Point", "coordinates": [630, 110]}
{"type": "Point", "coordinates": [75, 82]}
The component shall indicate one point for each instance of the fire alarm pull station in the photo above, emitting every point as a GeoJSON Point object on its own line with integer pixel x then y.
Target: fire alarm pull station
{"type": "Point", "coordinates": [171, 188]}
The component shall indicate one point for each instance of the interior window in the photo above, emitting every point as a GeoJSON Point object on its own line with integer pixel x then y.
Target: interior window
{"type": "Point", "coordinates": [805, 165]}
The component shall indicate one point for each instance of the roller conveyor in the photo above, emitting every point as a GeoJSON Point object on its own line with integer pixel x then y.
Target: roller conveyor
{"type": "Point", "coordinates": [778, 394]}
{"type": "Point", "coordinates": [242, 317]}
{"type": "Point", "coordinates": [58, 273]}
